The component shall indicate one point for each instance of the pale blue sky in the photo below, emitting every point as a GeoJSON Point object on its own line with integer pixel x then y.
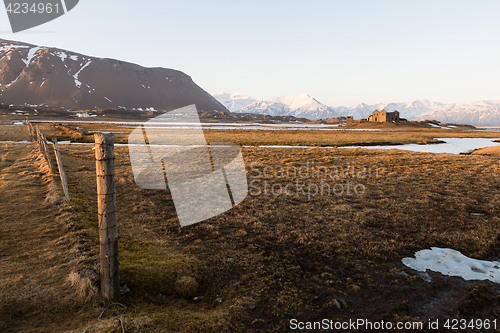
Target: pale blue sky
{"type": "Point", "coordinates": [340, 52]}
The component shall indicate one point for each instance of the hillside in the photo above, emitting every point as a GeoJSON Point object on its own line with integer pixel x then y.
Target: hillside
{"type": "Point", "coordinates": [49, 76]}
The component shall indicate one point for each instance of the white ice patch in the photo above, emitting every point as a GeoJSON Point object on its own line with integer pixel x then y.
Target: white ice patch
{"type": "Point", "coordinates": [63, 57]}
{"type": "Point", "coordinates": [12, 47]}
{"type": "Point", "coordinates": [73, 57]}
{"type": "Point", "coordinates": [453, 263]}
{"type": "Point", "coordinates": [31, 55]}
{"type": "Point", "coordinates": [437, 126]}
{"type": "Point", "coordinates": [77, 82]}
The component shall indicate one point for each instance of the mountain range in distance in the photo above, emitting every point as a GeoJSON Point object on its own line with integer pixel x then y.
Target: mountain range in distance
{"type": "Point", "coordinates": [46, 76]}
{"type": "Point", "coordinates": [304, 106]}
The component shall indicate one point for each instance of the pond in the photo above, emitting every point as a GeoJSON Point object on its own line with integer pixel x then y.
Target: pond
{"type": "Point", "coordinates": [451, 145]}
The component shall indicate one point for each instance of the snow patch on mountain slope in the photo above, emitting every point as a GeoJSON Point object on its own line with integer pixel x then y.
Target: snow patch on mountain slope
{"type": "Point", "coordinates": [31, 55]}
{"type": "Point", "coordinates": [11, 47]}
{"type": "Point", "coordinates": [63, 57]}
{"type": "Point", "coordinates": [77, 82]}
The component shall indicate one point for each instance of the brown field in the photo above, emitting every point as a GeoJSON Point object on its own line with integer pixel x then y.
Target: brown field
{"type": "Point", "coordinates": [411, 134]}
{"type": "Point", "coordinates": [272, 258]}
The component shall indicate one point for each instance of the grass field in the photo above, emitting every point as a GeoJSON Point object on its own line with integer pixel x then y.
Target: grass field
{"type": "Point", "coordinates": [391, 136]}
{"type": "Point", "coordinates": [271, 259]}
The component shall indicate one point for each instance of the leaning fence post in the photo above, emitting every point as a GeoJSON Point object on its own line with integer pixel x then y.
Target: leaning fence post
{"type": "Point", "coordinates": [61, 169]}
{"type": "Point", "coordinates": [106, 201]}
{"type": "Point", "coordinates": [46, 151]}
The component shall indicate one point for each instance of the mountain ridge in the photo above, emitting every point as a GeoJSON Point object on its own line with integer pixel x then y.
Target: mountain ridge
{"type": "Point", "coordinates": [303, 105]}
{"type": "Point", "coordinates": [486, 112]}
{"type": "Point", "coordinates": [38, 75]}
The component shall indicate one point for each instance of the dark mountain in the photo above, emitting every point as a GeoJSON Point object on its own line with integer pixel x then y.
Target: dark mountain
{"type": "Point", "coordinates": [53, 77]}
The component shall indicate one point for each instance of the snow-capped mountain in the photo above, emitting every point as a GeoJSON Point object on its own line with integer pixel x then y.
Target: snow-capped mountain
{"type": "Point", "coordinates": [473, 113]}
{"type": "Point", "coordinates": [35, 75]}
{"type": "Point", "coordinates": [300, 106]}
{"type": "Point", "coordinates": [266, 108]}
{"type": "Point", "coordinates": [305, 106]}
{"type": "Point", "coordinates": [234, 102]}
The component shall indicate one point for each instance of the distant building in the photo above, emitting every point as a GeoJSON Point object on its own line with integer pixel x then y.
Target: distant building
{"type": "Point", "coordinates": [383, 116]}
{"type": "Point", "coordinates": [349, 121]}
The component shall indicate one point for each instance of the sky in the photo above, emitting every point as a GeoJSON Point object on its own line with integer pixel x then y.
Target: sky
{"type": "Point", "coordinates": [339, 52]}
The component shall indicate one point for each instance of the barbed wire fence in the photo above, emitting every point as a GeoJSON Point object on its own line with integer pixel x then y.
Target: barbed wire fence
{"type": "Point", "coordinates": [106, 199]}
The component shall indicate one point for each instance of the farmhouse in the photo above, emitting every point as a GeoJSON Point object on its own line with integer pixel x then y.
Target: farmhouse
{"type": "Point", "coordinates": [383, 116]}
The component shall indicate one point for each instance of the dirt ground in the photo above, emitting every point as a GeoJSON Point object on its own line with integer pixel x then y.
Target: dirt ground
{"type": "Point", "coordinates": [271, 259]}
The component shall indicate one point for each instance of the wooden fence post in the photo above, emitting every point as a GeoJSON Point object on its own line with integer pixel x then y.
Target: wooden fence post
{"type": "Point", "coordinates": [30, 128]}
{"type": "Point", "coordinates": [39, 141]}
{"type": "Point", "coordinates": [61, 169]}
{"type": "Point", "coordinates": [37, 134]}
{"type": "Point", "coordinates": [108, 231]}
{"type": "Point", "coordinates": [46, 150]}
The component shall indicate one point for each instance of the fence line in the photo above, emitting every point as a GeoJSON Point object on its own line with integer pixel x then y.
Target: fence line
{"type": "Point", "coordinates": [64, 181]}
{"type": "Point", "coordinates": [41, 140]}
{"type": "Point", "coordinates": [44, 149]}
{"type": "Point", "coordinates": [30, 128]}
{"type": "Point", "coordinates": [106, 200]}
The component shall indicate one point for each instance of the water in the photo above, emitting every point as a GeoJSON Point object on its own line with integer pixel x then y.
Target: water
{"type": "Point", "coordinates": [452, 145]}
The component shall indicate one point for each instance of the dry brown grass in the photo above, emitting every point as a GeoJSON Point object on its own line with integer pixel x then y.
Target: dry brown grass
{"type": "Point", "coordinates": [296, 258]}
{"type": "Point", "coordinates": [14, 133]}
{"type": "Point", "coordinates": [40, 244]}
{"type": "Point", "coordinates": [491, 151]}
{"type": "Point", "coordinates": [291, 257]}
{"type": "Point", "coordinates": [397, 135]}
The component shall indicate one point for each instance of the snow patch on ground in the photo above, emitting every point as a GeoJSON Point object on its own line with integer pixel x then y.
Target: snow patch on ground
{"type": "Point", "coordinates": [453, 263]}
{"type": "Point", "coordinates": [437, 126]}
